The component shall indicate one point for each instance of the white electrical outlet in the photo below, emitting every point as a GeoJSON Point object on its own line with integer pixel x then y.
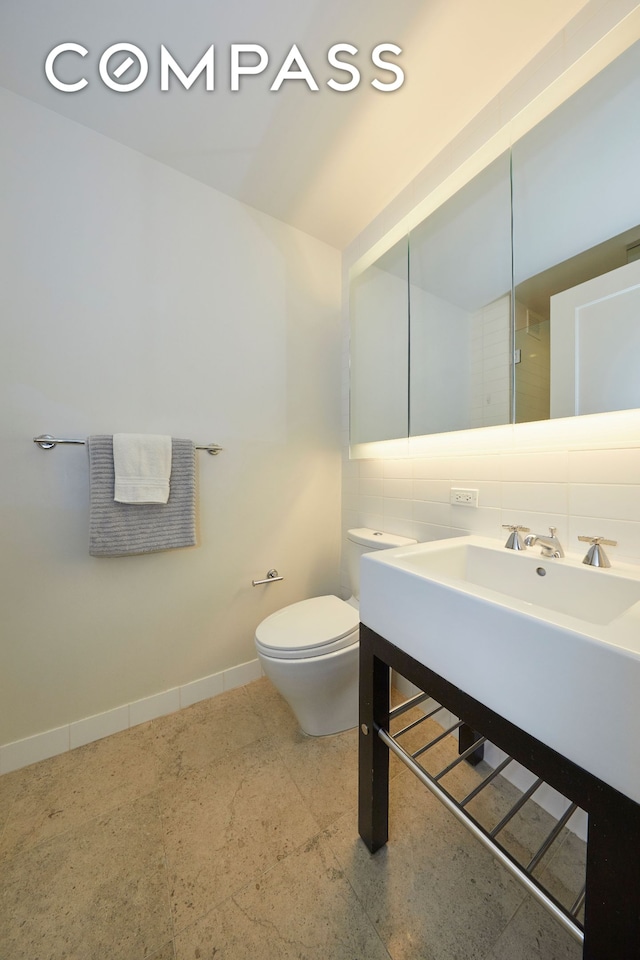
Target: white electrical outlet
{"type": "Point", "coordinates": [466, 498]}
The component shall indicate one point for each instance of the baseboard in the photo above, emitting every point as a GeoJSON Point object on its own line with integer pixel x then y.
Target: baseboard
{"type": "Point", "coordinates": [49, 743]}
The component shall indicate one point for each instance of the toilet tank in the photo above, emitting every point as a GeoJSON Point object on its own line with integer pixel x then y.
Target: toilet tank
{"type": "Point", "coordinates": [364, 540]}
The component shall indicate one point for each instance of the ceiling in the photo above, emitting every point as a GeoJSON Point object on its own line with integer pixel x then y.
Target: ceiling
{"type": "Point", "coordinates": [326, 162]}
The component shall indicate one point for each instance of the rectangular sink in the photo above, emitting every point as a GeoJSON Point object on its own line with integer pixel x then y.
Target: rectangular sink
{"type": "Point", "coordinates": [548, 643]}
{"type": "Point", "coordinates": [540, 582]}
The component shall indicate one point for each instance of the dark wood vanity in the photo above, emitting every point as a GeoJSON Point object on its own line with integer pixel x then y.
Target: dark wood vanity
{"type": "Point", "coordinates": [612, 897]}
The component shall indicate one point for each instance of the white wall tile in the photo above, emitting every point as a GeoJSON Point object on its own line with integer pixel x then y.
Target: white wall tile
{"type": "Point", "coordinates": [483, 521]}
{"type": "Point", "coordinates": [350, 501]}
{"type": "Point", "coordinates": [421, 469]}
{"type": "Point", "coordinates": [350, 486]}
{"type": "Point", "coordinates": [614, 466]}
{"type": "Point", "coordinates": [350, 520]}
{"type": "Point", "coordinates": [529, 488]}
{"type": "Point", "coordinates": [398, 488]}
{"type": "Point", "coordinates": [371, 468]}
{"type": "Point", "coordinates": [371, 487]}
{"type": "Point", "coordinates": [375, 521]}
{"type": "Point", "coordinates": [434, 490]}
{"type": "Point", "coordinates": [610, 501]}
{"type": "Point", "coordinates": [552, 467]}
{"type": "Point", "coordinates": [395, 507]}
{"type": "Point", "coordinates": [350, 468]}
{"type": "Point", "coordinates": [401, 526]}
{"type": "Point", "coordinates": [427, 511]}
{"type": "Point", "coordinates": [436, 468]}
{"type": "Point", "coordinates": [424, 532]}
{"type": "Point", "coordinates": [398, 469]}
{"type": "Point", "coordinates": [371, 506]}
{"type": "Point", "coordinates": [488, 467]}
{"type": "Point", "coordinates": [535, 497]}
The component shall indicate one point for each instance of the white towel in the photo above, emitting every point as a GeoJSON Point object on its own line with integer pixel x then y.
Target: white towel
{"type": "Point", "coordinates": [142, 464]}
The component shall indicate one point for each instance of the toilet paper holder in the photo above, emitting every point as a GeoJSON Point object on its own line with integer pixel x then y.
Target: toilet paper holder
{"type": "Point", "coordinates": [272, 577]}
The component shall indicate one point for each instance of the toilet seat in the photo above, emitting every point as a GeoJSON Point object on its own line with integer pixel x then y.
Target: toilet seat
{"type": "Point", "coordinates": [308, 628]}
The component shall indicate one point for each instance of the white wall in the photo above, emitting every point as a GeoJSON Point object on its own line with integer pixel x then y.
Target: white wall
{"type": "Point", "coordinates": [136, 299]}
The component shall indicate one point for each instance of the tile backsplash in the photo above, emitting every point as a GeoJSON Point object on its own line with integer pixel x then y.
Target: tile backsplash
{"type": "Point", "coordinates": [591, 490]}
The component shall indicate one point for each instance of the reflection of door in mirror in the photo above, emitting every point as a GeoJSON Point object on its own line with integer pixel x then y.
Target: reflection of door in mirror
{"type": "Point", "coordinates": [596, 344]}
{"type": "Point", "coordinates": [576, 210]}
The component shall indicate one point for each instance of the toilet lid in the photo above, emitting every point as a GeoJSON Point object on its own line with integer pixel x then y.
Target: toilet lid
{"type": "Point", "coordinates": [302, 627]}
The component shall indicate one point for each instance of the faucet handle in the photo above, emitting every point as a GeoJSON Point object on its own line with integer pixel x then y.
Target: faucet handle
{"type": "Point", "coordinates": [596, 557]}
{"type": "Point", "coordinates": [514, 541]}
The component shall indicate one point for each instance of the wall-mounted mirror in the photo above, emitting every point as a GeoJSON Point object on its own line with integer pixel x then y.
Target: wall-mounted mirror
{"type": "Point", "coordinates": [570, 308]}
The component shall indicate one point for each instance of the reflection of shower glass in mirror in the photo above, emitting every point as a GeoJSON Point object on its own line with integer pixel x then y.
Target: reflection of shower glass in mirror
{"type": "Point", "coordinates": [576, 248]}
{"type": "Point", "coordinates": [532, 365]}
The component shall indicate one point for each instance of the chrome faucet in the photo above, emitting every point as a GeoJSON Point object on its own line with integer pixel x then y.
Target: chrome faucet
{"type": "Point", "coordinates": [596, 557]}
{"type": "Point", "coordinates": [514, 541]}
{"type": "Point", "coordinates": [550, 546]}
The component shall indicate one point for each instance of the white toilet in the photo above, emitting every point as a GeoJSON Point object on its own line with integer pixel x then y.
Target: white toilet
{"type": "Point", "coordinates": [309, 650]}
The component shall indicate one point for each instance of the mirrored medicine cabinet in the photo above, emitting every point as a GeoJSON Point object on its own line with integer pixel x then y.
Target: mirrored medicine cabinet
{"type": "Point", "coordinates": [518, 298]}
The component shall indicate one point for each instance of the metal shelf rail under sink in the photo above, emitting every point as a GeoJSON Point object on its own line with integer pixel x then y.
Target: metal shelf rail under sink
{"type": "Point", "coordinates": [523, 872]}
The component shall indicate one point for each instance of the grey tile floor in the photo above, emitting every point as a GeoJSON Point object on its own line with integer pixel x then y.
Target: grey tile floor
{"type": "Point", "coordinates": [223, 832]}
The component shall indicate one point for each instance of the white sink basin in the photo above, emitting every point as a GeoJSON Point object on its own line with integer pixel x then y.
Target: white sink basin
{"type": "Point", "coordinates": [550, 644]}
{"type": "Point", "coordinates": [561, 587]}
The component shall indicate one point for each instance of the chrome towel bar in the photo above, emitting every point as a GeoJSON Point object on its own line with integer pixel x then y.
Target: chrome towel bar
{"type": "Point", "coordinates": [47, 442]}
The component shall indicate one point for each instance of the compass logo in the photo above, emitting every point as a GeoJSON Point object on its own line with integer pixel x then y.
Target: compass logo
{"type": "Point", "coordinates": [242, 60]}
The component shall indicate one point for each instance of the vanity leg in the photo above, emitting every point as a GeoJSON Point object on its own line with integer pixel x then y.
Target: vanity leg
{"type": "Point", "coordinates": [466, 737]}
{"type": "Point", "coordinates": [612, 904]}
{"type": "Point", "coordinates": [373, 755]}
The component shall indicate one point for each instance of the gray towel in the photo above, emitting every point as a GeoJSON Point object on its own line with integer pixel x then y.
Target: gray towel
{"type": "Point", "coordinates": [121, 529]}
